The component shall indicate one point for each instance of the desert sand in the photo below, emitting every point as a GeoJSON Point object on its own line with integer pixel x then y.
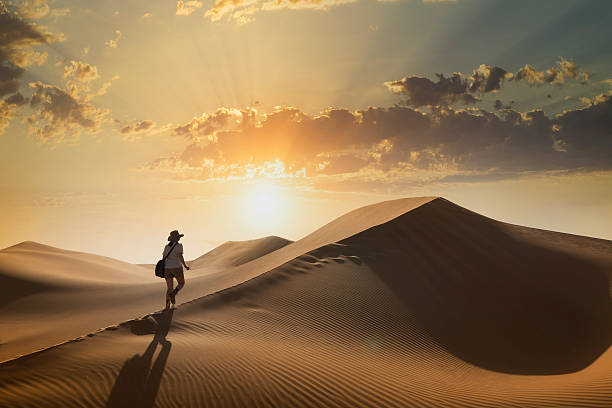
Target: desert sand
{"type": "Point", "coordinates": [407, 303]}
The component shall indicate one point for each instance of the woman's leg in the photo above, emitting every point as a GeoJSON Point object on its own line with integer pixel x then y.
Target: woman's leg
{"type": "Point", "coordinates": [181, 283]}
{"type": "Point", "coordinates": [169, 284]}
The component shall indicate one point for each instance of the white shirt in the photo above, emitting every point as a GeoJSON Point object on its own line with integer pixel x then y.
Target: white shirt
{"type": "Point", "coordinates": [172, 261]}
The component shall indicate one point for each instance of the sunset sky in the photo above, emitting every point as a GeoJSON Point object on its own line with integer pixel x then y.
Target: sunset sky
{"type": "Point", "coordinates": [123, 120]}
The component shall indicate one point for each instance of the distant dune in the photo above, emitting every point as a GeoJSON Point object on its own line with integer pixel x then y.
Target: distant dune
{"type": "Point", "coordinates": [405, 303]}
{"type": "Point", "coordinates": [234, 253]}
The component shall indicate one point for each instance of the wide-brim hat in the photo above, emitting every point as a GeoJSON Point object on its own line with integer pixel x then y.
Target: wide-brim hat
{"type": "Point", "coordinates": [175, 234]}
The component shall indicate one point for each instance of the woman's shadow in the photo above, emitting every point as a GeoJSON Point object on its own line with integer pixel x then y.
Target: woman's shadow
{"type": "Point", "coordinates": [138, 381]}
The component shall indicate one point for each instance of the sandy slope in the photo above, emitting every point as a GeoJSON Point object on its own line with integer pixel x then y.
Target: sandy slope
{"type": "Point", "coordinates": [413, 302]}
{"type": "Point", "coordinates": [235, 253]}
{"type": "Point", "coordinates": [49, 295]}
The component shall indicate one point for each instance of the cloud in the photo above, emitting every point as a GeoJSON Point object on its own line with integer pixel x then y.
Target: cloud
{"type": "Point", "coordinates": [9, 109]}
{"type": "Point", "coordinates": [80, 71]}
{"type": "Point", "coordinates": [60, 12]}
{"type": "Point", "coordinates": [206, 125]}
{"type": "Point", "coordinates": [78, 77]}
{"type": "Point", "coordinates": [498, 105]}
{"type": "Point", "coordinates": [342, 164]}
{"type": "Point", "coordinates": [58, 113]}
{"type": "Point", "coordinates": [24, 57]}
{"type": "Point", "coordinates": [16, 99]}
{"type": "Point", "coordinates": [585, 77]}
{"type": "Point", "coordinates": [552, 75]}
{"type": "Point", "coordinates": [422, 91]}
{"type": "Point", "coordinates": [34, 9]}
{"type": "Point", "coordinates": [185, 8]}
{"type": "Point", "coordinates": [37, 9]}
{"type": "Point", "coordinates": [459, 89]}
{"type": "Point", "coordinates": [17, 38]}
{"type": "Point", "coordinates": [569, 68]}
{"type": "Point", "coordinates": [453, 89]}
{"type": "Point", "coordinates": [9, 78]}
{"type": "Point", "coordinates": [395, 143]}
{"type": "Point", "coordinates": [138, 127]}
{"type": "Point", "coordinates": [598, 99]}
{"type": "Point", "coordinates": [486, 78]}
{"type": "Point", "coordinates": [146, 16]}
{"type": "Point", "coordinates": [114, 43]}
{"type": "Point", "coordinates": [241, 11]}
{"type": "Point", "coordinates": [104, 88]}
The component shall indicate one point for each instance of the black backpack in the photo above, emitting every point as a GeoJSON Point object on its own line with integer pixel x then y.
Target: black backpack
{"type": "Point", "coordinates": [161, 265]}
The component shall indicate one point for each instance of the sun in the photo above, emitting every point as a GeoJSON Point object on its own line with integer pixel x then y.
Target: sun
{"type": "Point", "coordinates": [264, 206]}
{"type": "Point", "coordinates": [265, 202]}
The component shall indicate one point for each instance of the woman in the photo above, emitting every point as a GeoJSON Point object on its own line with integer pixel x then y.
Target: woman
{"type": "Point", "coordinates": [173, 253]}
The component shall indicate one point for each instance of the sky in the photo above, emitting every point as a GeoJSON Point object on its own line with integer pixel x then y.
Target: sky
{"type": "Point", "coordinates": [235, 120]}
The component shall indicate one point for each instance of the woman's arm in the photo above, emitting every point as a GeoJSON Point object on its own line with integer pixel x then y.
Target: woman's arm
{"type": "Point", "coordinates": [180, 256]}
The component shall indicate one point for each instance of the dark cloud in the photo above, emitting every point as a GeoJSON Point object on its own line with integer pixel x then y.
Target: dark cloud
{"type": "Point", "coordinates": [57, 112]}
{"type": "Point", "coordinates": [9, 109]}
{"type": "Point", "coordinates": [470, 144]}
{"type": "Point", "coordinates": [460, 90]}
{"type": "Point", "coordinates": [138, 127]}
{"type": "Point", "coordinates": [455, 89]}
{"type": "Point", "coordinates": [486, 78]}
{"type": "Point", "coordinates": [585, 135]}
{"type": "Point", "coordinates": [9, 77]}
{"type": "Point", "coordinates": [16, 33]}
{"type": "Point", "coordinates": [421, 91]}
{"type": "Point", "coordinates": [16, 99]}
{"type": "Point", "coordinates": [16, 39]}
{"type": "Point", "coordinates": [499, 105]}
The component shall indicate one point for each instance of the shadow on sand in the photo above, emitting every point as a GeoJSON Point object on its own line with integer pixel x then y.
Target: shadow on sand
{"type": "Point", "coordinates": [498, 296]}
{"type": "Point", "coordinates": [138, 381]}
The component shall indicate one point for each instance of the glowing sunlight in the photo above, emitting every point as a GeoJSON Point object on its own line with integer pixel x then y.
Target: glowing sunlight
{"type": "Point", "coordinates": [264, 206]}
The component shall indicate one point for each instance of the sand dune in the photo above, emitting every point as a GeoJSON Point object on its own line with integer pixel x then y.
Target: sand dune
{"type": "Point", "coordinates": [54, 295]}
{"type": "Point", "coordinates": [51, 295]}
{"type": "Point", "coordinates": [407, 303]}
{"type": "Point", "coordinates": [234, 253]}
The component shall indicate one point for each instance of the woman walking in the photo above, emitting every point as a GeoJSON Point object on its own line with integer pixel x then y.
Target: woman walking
{"type": "Point", "coordinates": [173, 253]}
